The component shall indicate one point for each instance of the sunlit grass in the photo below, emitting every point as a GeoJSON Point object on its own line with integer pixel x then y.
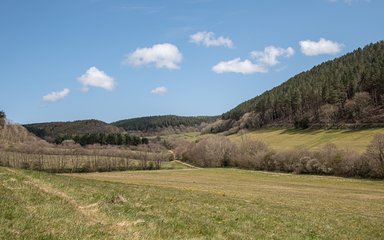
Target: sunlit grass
{"type": "Point", "coordinates": [187, 204]}
{"type": "Point", "coordinates": [283, 139]}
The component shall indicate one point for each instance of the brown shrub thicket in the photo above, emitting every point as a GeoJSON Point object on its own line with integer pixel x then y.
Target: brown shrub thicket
{"type": "Point", "coordinates": [214, 151]}
{"type": "Point", "coordinates": [218, 151]}
{"type": "Point", "coordinates": [375, 156]}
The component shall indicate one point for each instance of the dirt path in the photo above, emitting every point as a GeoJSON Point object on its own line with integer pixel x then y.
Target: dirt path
{"type": "Point", "coordinates": [183, 163]}
{"type": "Point", "coordinates": [186, 164]}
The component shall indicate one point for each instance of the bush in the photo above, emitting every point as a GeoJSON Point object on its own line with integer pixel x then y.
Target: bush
{"type": "Point", "coordinates": [214, 151]}
{"type": "Point", "coordinates": [252, 154]}
{"type": "Point", "coordinates": [374, 155]}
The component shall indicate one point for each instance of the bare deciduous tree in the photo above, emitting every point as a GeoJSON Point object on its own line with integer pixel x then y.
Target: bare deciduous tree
{"type": "Point", "coordinates": [375, 155]}
{"type": "Point", "coordinates": [2, 119]}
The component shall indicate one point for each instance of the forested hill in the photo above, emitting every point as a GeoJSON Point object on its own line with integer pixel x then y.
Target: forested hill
{"type": "Point", "coordinates": [346, 90]}
{"type": "Point", "coordinates": [154, 123]}
{"type": "Point", "coordinates": [51, 130]}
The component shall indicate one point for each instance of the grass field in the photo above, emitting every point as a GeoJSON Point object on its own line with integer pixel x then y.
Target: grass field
{"type": "Point", "coordinates": [188, 204]}
{"type": "Point", "coordinates": [283, 139]}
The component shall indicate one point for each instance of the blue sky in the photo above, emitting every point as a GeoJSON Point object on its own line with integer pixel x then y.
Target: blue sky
{"type": "Point", "coordinates": [114, 59]}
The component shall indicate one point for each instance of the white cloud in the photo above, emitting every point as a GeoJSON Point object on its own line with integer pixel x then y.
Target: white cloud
{"type": "Point", "coordinates": [323, 46]}
{"type": "Point", "coordinates": [349, 2]}
{"type": "Point", "coordinates": [160, 91]}
{"type": "Point", "coordinates": [238, 66]}
{"type": "Point", "coordinates": [161, 55]}
{"type": "Point", "coordinates": [93, 77]}
{"type": "Point", "coordinates": [55, 96]}
{"type": "Point", "coordinates": [270, 54]}
{"type": "Point", "coordinates": [208, 39]}
{"type": "Point", "coordinates": [263, 60]}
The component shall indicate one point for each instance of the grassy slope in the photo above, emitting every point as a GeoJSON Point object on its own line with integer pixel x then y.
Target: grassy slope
{"type": "Point", "coordinates": [283, 139]}
{"type": "Point", "coordinates": [180, 204]}
{"type": "Point", "coordinates": [314, 139]}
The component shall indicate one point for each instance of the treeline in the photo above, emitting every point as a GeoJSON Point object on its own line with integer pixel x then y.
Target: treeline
{"type": "Point", "coordinates": [51, 130]}
{"type": "Point", "coordinates": [103, 139]}
{"type": "Point", "coordinates": [349, 89]}
{"type": "Point", "coordinates": [77, 159]}
{"type": "Point", "coordinates": [218, 151]}
{"type": "Point", "coordinates": [157, 122]}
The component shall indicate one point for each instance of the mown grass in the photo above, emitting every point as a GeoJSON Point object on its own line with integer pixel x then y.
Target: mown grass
{"type": "Point", "coordinates": [188, 204]}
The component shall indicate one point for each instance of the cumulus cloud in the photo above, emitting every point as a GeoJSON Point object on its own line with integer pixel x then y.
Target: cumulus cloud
{"type": "Point", "coordinates": [208, 39]}
{"type": "Point", "coordinates": [270, 54]}
{"type": "Point", "coordinates": [160, 91]}
{"type": "Point", "coordinates": [161, 55]}
{"type": "Point", "coordinates": [323, 46]}
{"type": "Point", "coordinates": [93, 77]}
{"type": "Point", "coordinates": [261, 61]}
{"type": "Point", "coordinates": [238, 66]}
{"type": "Point", "coordinates": [55, 96]}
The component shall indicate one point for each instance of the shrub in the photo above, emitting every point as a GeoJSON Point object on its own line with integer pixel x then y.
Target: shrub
{"type": "Point", "coordinates": [374, 155]}
{"type": "Point", "coordinates": [252, 154]}
{"type": "Point", "coordinates": [214, 151]}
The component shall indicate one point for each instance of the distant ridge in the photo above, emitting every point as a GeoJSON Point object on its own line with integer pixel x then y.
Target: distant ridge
{"type": "Point", "coordinates": [166, 124]}
{"type": "Point", "coordinates": [153, 123]}
{"type": "Point", "coordinates": [50, 130]}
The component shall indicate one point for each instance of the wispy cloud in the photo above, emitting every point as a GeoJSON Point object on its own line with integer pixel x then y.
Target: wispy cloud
{"type": "Point", "coordinates": [238, 66]}
{"type": "Point", "coordinates": [349, 2]}
{"type": "Point", "coordinates": [93, 77]}
{"type": "Point", "coordinates": [270, 54]}
{"type": "Point", "coordinates": [209, 39]}
{"type": "Point", "coordinates": [164, 55]}
{"type": "Point", "coordinates": [55, 96]}
{"type": "Point", "coordinates": [160, 91]}
{"type": "Point", "coordinates": [323, 46]}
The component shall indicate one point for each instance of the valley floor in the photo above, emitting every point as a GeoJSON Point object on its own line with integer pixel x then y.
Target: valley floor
{"type": "Point", "coordinates": [188, 203]}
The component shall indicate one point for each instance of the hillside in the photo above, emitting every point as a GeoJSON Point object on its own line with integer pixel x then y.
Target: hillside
{"type": "Point", "coordinates": [345, 91]}
{"type": "Point", "coordinates": [159, 123]}
{"type": "Point", "coordinates": [153, 124]}
{"type": "Point", "coordinates": [50, 130]}
{"type": "Point", "coordinates": [312, 139]}
{"type": "Point", "coordinates": [12, 135]}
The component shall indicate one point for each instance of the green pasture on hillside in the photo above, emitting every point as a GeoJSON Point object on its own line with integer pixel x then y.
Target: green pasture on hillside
{"type": "Point", "coordinates": [282, 139]}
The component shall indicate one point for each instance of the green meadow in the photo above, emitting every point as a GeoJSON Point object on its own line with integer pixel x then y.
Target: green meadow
{"type": "Point", "coordinates": [188, 203]}
{"type": "Point", "coordinates": [283, 139]}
